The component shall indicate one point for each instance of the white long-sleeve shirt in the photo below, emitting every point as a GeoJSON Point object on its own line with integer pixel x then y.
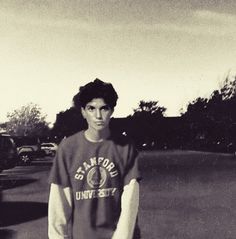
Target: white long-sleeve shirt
{"type": "Point", "coordinates": [60, 212]}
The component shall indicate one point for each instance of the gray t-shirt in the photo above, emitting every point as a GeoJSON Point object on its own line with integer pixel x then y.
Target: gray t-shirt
{"type": "Point", "coordinates": [96, 173]}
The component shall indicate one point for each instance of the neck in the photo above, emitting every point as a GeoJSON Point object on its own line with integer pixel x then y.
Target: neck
{"type": "Point", "coordinates": [97, 136]}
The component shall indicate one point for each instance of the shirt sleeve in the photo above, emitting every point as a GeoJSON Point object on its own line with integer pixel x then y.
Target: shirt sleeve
{"type": "Point", "coordinates": [59, 173]}
{"type": "Point", "coordinates": [132, 168]}
{"type": "Point", "coordinates": [129, 210]}
{"type": "Point", "coordinates": [59, 212]}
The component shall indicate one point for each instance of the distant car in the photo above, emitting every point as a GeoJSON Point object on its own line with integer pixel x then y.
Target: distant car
{"type": "Point", "coordinates": [8, 152]}
{"type": "Point", "coordinates": [26, 154]}
{"type": "Point", "coordinates": [28, 148]}
{"type": "Point", "coordinates": [49, 148]}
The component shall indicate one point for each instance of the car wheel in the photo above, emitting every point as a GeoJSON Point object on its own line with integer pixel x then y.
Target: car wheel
{"type": "Point", "coordinates": [52, 154]}
{"type": "Point", "coordinates": [25, 159]}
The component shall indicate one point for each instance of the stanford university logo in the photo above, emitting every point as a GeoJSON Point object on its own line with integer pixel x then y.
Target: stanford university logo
{"type": "Point", "coordinates": [96, 177]}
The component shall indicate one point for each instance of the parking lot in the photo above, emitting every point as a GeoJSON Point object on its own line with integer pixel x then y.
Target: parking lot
{"type": "Point", "coordinates": [184, 195]}
{"type": "Point", "coordinates": [24, 200]}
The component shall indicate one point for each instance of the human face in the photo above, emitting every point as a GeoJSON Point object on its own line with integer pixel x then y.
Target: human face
{"type": "Point", "coordinates": [97, 114]}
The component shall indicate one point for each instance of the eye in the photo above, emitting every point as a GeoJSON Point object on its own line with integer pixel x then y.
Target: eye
{"type": "Point", "coordinates": [90, 108]}
{"type": "Point", "coordinates": [105, 108]}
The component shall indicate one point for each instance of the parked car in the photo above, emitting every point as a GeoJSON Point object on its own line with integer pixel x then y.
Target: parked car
{"type": "Point", "coordinates": [8, 152]}
{"type": "Point", "coordinates": [28, 148]}
{"type": "Point", "coordinates": [49, 148]}
{"type": "Point", "coordinates": [26, 154]}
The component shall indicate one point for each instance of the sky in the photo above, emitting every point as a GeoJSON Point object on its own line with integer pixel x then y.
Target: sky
{"type": "Point", "coordinates": [170, 51]}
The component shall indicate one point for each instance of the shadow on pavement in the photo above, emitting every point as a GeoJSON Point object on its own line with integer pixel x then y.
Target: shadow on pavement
{"type": "Point", "coordinates": [7, 234]}
{"type": "Point", "coordinates": [41, 162]}
{"type": "Point", "coordinates": [12, 182]}
{"type": "Point", "coordinates": [18, 212]}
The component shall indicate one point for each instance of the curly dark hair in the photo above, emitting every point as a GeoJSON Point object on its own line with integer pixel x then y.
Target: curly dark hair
{"type": "Point", "coordinates": [93, 90]}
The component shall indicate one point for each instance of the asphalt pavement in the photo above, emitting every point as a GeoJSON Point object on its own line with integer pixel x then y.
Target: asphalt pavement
{"type": "Point", "coordinates": [24, 197]}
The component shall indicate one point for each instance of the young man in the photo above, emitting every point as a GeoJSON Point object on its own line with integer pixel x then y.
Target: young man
{"type": "Point", "coordinates": [94, 191]}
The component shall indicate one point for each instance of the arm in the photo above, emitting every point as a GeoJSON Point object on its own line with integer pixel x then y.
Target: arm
{"type": "Point", "coordinates": [59, 212]}
{"type": "Point", "coordinates": [129, 211]}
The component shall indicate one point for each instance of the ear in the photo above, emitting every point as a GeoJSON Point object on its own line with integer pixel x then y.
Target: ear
{"type": "Point", "coordinates": [83, 112]}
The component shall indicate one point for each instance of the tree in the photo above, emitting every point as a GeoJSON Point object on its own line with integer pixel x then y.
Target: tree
{"type": "Point", "coordinates": [196, 109]}
{"type": "Point", "coordinates": [149, 109]}
{"type": "Point", "coordinates": [227, 117]}
{"type": "Point", "coordinates": [68, 122]}
{"type": "Point", "coordinates": [228, 90]}
{"type": "Point", "coordinates": [27, 121]}
{"type": "Point", "coordinates": [146, 125]}
{"type": "Point", "coordinates": [198, 121]}
{"type": "Point", "coordinates": [215, 117]}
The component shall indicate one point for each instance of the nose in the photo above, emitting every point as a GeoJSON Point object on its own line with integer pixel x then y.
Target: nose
{"type": "Point", "coordinates": [98, 114]}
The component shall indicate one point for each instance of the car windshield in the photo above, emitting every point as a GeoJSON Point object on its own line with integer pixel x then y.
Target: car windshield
{"type": "Point", "coordinates": [21, 141]}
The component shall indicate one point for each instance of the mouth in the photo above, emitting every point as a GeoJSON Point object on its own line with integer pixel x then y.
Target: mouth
{"type": "Point", "coordinates": [99, 123]}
